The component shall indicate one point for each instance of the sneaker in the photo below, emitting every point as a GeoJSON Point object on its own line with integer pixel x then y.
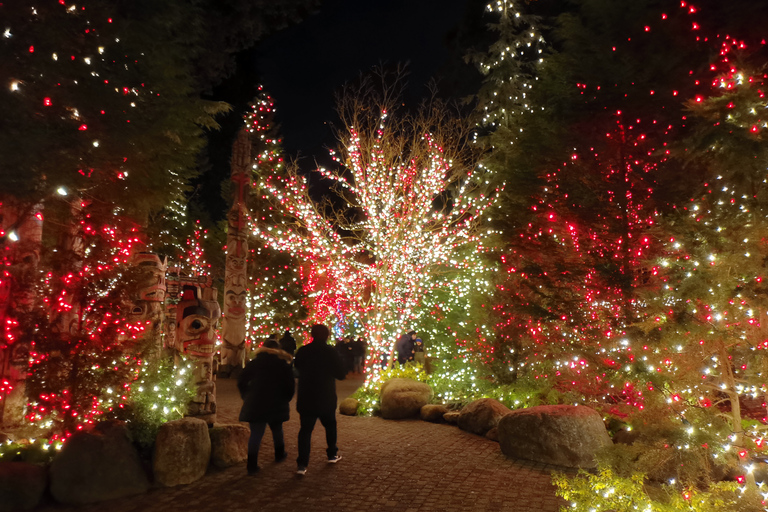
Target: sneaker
{"type": "Point", "coordinates": [281, 457]}
{"type": "Point", "coordinates": [334, 459]}
{"type": "Point", "coordinates": [301, 471]}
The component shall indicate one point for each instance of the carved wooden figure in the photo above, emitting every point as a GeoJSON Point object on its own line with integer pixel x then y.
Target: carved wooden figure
{"type": "Point", "coordinates": [197, 314]}
{"type": "Point", "coordinates": [235, 286]}
{"type": "Point", "coordinates": [17, 293]}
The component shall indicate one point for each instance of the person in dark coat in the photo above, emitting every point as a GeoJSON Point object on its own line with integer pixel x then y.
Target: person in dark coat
{"type": "Point", "coordinates": [266, 385]}
{"type": "Point", "coordinates": [319, 366]}
{"type": "Point", "coordinates": [358, 354]}
{"type": "Point", "coordinates": [404, 347]}
{"type": "Point", "coordinates": [287, 343]}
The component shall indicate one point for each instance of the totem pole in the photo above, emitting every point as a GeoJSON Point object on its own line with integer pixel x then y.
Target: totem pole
{"type": "Point", "coordinates": [148, 303]}
{"type": "Point", "coordinates": [197, 315]}
{"type": "Point", "coordinates": [235, 290]}
{"type": "Point", "coordinates": [22, 228]}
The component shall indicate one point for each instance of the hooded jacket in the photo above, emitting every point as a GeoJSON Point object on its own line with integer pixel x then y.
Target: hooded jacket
{"type": "Point", "coordinates": [266, 386]}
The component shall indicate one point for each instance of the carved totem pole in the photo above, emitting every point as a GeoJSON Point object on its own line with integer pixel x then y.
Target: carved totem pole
{"type": "Point", "coordinates": [235, 278]}
{"type": "Point", "coordinates": [149, 302]}
{"type": "Point", "coordinates": [191, 319]}
{"type": "Point", "coordinates": [197, 314]}
{"type": "Point", "coordinates": [17, 294]}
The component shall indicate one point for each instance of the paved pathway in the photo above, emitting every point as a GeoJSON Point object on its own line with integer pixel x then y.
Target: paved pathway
{"type": "Point", "coordinates": [397, 466]}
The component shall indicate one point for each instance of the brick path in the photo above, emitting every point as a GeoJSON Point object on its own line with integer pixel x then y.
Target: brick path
{"type": "Point", "coordinates": [398, 466]}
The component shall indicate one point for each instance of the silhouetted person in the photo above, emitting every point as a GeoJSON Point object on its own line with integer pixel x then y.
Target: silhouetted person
{"type": "Point", "coordinates": [287, 343]}
{"type": "Point", "coordinates": [318, 365]}
{"type": "Point", "coordinates": [266, 386]}
{"type": "Point", "coordinates": [404, 347]}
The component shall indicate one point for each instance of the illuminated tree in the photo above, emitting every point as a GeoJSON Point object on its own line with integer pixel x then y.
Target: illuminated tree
{"type": "Point", "coordinates": [586, 141]}
{"type": "Point", "coordinates": [276, 298]}
{"type": "Point", "coordinates": [688, 361]}
{"type": "Point", "coordinates": [711, 311]}
{"type": "Point", "coordinates": [100, 131]}
{"type": "Point", "coordinates": [407, 196]}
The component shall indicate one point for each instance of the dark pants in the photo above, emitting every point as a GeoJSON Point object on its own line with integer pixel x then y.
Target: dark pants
{"type": "Point", "coordinates": [257, 432]}
{"type": "Point", "coordinates": [308, 420]}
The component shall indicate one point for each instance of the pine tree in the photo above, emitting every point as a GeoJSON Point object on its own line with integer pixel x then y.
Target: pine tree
{"type": "Point", "coordinates": [101, 129]}
{"type": "Point", "coordinates": [277, 298]}
{"type": "Point", "coordinates": [600, 112]}
{"type": "Point", "coordinates": [710, 312]}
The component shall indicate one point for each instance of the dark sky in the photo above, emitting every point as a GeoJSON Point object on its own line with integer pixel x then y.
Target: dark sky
{"type": "Point", "coordinates": [303, 66]}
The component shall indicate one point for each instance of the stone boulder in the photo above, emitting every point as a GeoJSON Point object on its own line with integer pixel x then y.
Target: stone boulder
{"type": "Point", "coordinates": [21, 485]}
{"type": "Point", "coordinates": [348, 407]}
{"type": "Point", "coordinates": [451, 417]}
{"type": "Point", "coordinates": [98, 465]}
{"type": "Point", "coordinates": [182, 452]}
{"type": "Point", "coordinates": [493, 434]}
{"type": "Point", "coordinates": [403, 398]}
{"type": "Point", "coordinates": [229, 444]}
{"type": "Point", "coordinates": [481, 415]}
{"type": "Point", "coordinates": [433, 413]}
{"type": "Point", "coordinates": [565, 435]}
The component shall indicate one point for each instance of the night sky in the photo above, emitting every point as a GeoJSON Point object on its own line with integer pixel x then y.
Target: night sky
{"type": "Point", "coordinates": [303, 66]}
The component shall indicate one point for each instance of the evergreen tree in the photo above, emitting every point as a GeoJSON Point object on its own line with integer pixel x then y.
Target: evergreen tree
{"type": "Point", "coordinates": [599, 113]}
{"type": "Point", "coordinates": [277, 298]}
{"type": "Point", "coordinates": [712, 301]}
{"type": "Point", "coordinates": [101, 128]}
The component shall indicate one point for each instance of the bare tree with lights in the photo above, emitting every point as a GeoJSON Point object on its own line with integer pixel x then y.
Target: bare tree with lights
{"type": "Point", "coordinates": [407, 195]}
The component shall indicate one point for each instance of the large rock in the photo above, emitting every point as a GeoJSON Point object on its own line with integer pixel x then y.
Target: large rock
{"type": "Point", "coordinates": [451, 417]}
{"type": "Point", "coordinates": [229, 444]}
{"type": "Point", "coordinates": [433, 413]}
{"type": "Point", "coordinates": [565, 435]}
{"type": "Point", "coordinates": [98, 465]}
{"type": "Point", "coordinates": [481, 415]}
{"type": "Point", "coordinates": [21, 485]}
{"type": "Point", "coordinates": [348, 407]}
{"type": "Point", "coordinates": [403, 398]}
{"type": "Point", "coordinates": [182, 452]}
{"type": "Point", "coordinates": [493, 434]}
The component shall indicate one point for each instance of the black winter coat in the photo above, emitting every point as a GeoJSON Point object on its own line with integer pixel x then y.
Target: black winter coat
{"type": "Point", "coordinates": [266, 386]}
{"type": "Point", "coordinates": [318, 365]}
{"type": "Point", "coordinates": [288, 344]}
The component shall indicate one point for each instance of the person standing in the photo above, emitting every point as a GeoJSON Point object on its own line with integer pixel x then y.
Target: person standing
{"type": "Point", "coordinates": [404, 347]}
{"type": "Point", "coordinates": [319, 366]}
{"type": "Point", "coordinates": [418, 351]}
{"type": "Point", "coordinates": [266, 386]}
{"type": "Point", "coordinates": [288, 343]}
{"type": "Point", "coordinates": [358, 354]}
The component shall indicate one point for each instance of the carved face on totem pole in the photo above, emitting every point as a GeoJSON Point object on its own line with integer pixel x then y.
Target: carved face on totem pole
{"type": "Point", "coordinates": [152, 281]}
{"type": "Point", "coordinates": [235, 275]}
{"type": "Point", "coordinates": [197, 321]}
{"type": "Point", "coordinates": [146, 308]}
{"type": "Point", "coordinates": [234, 324]}
{"type": "Point", "coordinates": [197, 315]}
{"type": "Point", "coordinates": [235, 304]}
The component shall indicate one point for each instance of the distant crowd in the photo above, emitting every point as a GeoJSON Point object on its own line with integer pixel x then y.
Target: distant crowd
{"type": "Point", "coordinates": [353, 350]}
